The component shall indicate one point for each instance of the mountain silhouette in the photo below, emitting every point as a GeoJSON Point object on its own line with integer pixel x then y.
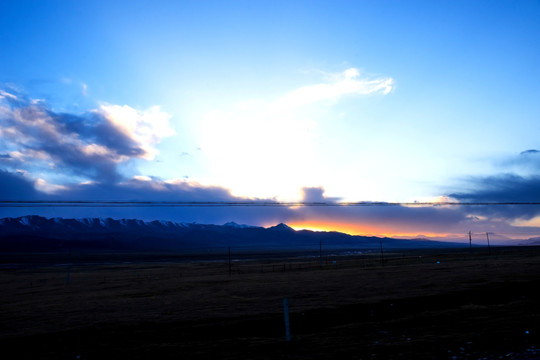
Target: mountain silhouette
{"type": "Point", "coordinates": [36, 233]}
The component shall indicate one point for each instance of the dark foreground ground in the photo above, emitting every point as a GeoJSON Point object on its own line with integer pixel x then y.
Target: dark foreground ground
{"type": "Point", "coordinates": [415, 305]}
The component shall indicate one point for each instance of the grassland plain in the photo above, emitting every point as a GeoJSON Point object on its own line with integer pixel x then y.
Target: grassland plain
{"type": "Point", "coordinates": [455, 304]}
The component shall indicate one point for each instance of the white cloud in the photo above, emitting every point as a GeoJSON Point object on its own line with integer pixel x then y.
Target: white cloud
{"type": "Point", "coordinates": [29, 155]}
{"type": "Point", "coordinates": [4, 94]}
{"type": "Point", "coordinates": [348, 82]}
{"type": "Point", "coordinates": [146, 128]}
{"type": "Point", "coordinates": [142, 178]}
{"type": "Point", "coordinates": [43, 186]}
{"type": "Point", "coordinates": [99, 151]}
{"type": "Point", "coordinates": [84, 89]}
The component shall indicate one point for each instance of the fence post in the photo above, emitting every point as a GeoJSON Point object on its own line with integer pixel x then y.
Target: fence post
{"type": "Point", "coordinates": [286, 318]}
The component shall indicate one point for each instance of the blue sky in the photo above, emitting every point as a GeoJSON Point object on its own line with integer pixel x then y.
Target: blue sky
{"type": "Point", "coordinates": [348, 100]}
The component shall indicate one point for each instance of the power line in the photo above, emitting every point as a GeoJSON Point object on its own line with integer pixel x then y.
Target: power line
{"type": "Point", "coordinates": [133, 203]}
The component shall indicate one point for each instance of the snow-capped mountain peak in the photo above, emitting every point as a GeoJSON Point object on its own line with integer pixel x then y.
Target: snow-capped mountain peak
{"type": "Point", "coordinates": [238, 226]}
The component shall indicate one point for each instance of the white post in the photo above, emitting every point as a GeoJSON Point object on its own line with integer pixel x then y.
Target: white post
{"type": "Point", "coordinates": [286, 316]}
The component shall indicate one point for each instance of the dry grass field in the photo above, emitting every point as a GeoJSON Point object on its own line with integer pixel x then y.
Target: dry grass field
{"type": "Point", "coordinates": [427, 304]}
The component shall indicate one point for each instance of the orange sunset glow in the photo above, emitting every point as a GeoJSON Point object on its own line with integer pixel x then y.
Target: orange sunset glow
{"type": "Point", "coordinates": [358, 229]}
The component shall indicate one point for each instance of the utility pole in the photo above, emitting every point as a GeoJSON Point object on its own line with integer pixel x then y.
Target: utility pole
{"type": "Point", "coordinates": [470, 240]}
{"type": "Point", "coordinates": [489, 247]}
{"type": "Point", "coordinates": [320, 253]}
{"type": "Point", "coordinates": [382, 253]}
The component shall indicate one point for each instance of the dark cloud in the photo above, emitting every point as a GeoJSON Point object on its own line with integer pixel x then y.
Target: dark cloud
{"type": "Point", "coordinates": [528, 161]}
{"type": "Point", "coordinates": [17, 187]}
{"type": "Point", "coordinates": [313, 194]}
{"type": "Point", "coordinates": [147, 190]}
{"type": "Point", "coordinates": [94, 128]}
{"type": "Point", "coordinates": [386, 217]}
{"type": "Point", "coordinates": [505, 188]}
{"type": "Point", "coordinates": [91, 145]}
{"type": "Point", "coordinates": [14, 186]}
{"type": "Point", "coordinates": [68, 143]}
{"type": "Point", "coordinates": [530, 152]}
{"type": "Point", "coordinates": [316, 195]}
{"type": "Point", "coordinates": [392, 217]}
{"type": "Point", "coordinates": [181, 191]}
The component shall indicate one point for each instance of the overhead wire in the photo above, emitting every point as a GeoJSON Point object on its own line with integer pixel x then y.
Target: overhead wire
{"type": "Point", "coordinates": [135, 203]}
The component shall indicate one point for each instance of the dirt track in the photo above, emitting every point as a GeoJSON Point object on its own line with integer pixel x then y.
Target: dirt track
{"type": "Point", "coordinates": [453, 305]}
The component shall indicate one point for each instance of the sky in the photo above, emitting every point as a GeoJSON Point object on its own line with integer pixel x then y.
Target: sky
{"type": "Point", "coordinates": [276, 101]}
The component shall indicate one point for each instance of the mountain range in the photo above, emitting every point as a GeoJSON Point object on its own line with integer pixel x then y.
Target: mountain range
{"type": "Point", "coordinates": [35, 233]}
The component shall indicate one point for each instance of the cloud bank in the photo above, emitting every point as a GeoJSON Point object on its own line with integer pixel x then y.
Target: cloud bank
{"type": "Point", "coordinates": [439, 222]}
